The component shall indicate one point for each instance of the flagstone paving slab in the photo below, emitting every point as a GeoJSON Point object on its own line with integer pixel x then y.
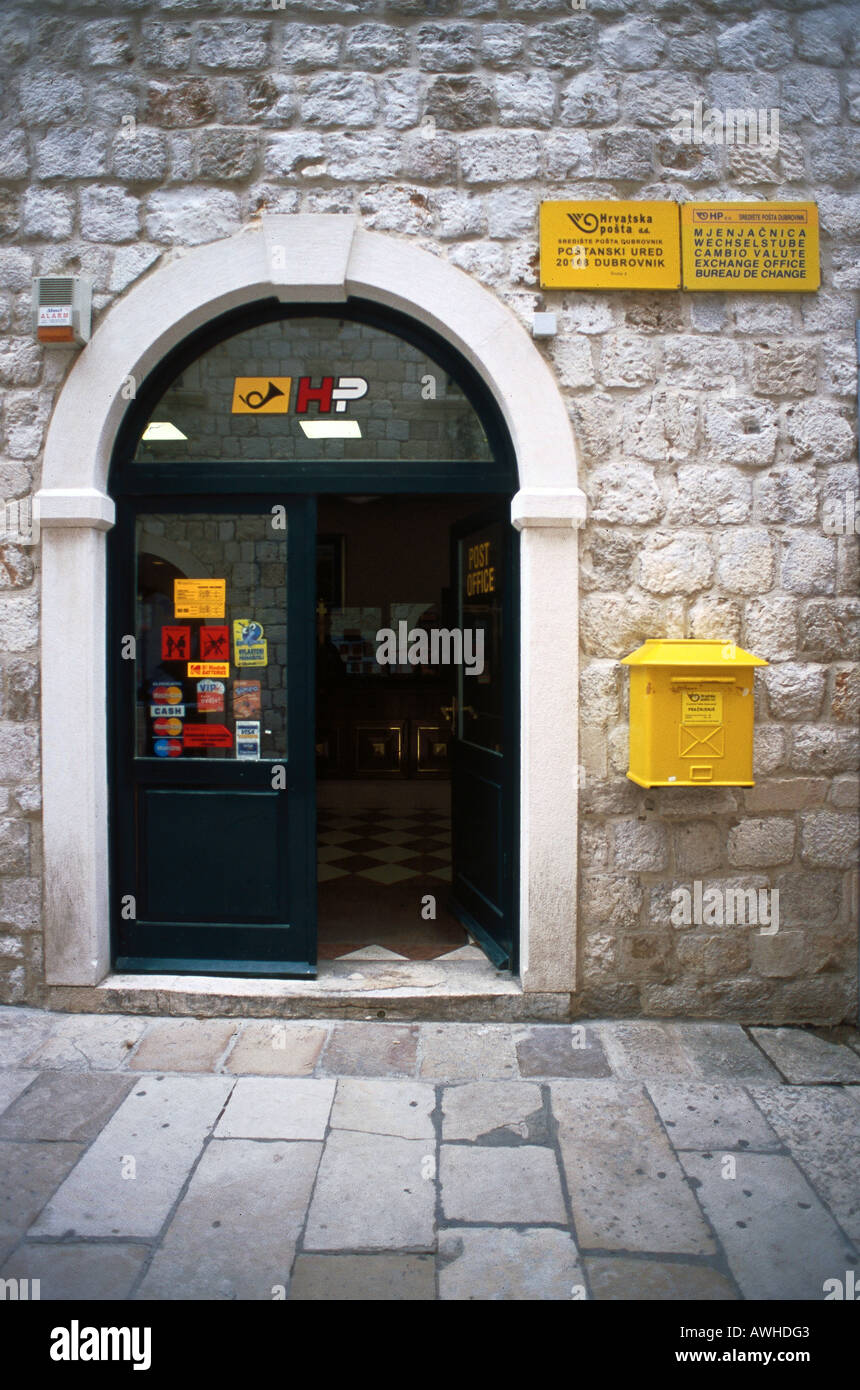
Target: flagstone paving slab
{"type": "Point", "coordinates": [277, 1108]}
{"type": "Point", "coordinates": [371, 1049]}
{"type": "Point", "coordinates": [363, 1278]}
{"type": "Point", "coordinates": [183, 1044]}
{"type": "Point", "coordinates": [493, 1264]}
{"type": "Point", "coordinates": [402, 1108]}
{"type": "Point", "coordinates": [277, 1048]}
{"type": "Point", "coordinates": [510, 1186]}
{"type": "Point", "coordinates": [640, 1049]}
{"type": "Point", "coordinates": [697, 1116]}
{"type": "Point", "coordinates": [79, 1042]}
{"type": "Point", "coordinates": [562, 1050]}
{"type": "Point", "coordinates": [821, 1129]}
{"type": "Point", "coordinates": [804, 1058]}
{"type": "Point", "coordinates": [63, 1106]}
{"type": "Point", "coordinates": [615, 1278]}
{"type": "Point", "coordinates": [161, 1126]}
{"type": "Point", "coordinates": [21, 1031]}
{"type": "Point", "coordinates": [233, 1235]}
{"type": "Point", "coordinates": [498, 1111]}
{"type": "Point", "coordinates": [463, 1051]}
{"type": "Point", "coordinates": [373, 1192]}
{"type": "Point", "coordinates": [779, 1240]}
{"type": "Point", "coordinates": [626, 1187]}
{"type": "Point", "coordinates": [12, 1083]}
{"type": "Point", "coordinates": [78, 1272]}
{"type": "Point", "coordinates": [722, 1052]}
{"type": "Point", "coordinates": [29, 1174]}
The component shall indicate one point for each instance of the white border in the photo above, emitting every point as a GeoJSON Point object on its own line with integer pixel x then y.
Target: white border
{"type": "Point", "coordinates": [301, 258]}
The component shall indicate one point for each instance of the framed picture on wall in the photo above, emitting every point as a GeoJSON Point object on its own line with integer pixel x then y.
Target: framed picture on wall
{"type": "Point", "coordinates": [331, 570]}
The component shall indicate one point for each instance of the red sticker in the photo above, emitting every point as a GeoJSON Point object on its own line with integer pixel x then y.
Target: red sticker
{"type": "Point", "coordinates": [214, 643]}
{"type": "Point", "coordinates": [207, 736]}
{"type": "Point", "coordinates": [175, 643]}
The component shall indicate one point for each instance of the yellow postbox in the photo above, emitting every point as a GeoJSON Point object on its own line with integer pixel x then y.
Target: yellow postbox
{"type": "Point", "coordinates": [691, 713]}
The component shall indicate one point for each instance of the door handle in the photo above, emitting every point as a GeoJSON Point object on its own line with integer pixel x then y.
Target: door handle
{"type": "Point", "coordinates": [449, 713]}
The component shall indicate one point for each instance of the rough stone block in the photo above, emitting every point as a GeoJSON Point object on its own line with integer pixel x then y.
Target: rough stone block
{"type": "Point", "coordinates": [829, 839]}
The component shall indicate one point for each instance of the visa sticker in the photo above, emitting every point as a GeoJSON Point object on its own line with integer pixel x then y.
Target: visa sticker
{"type": "Point", "coordinates": [248, 739]}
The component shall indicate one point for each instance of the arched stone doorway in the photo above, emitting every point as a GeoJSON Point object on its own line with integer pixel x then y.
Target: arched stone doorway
{"type": "Point", "coordinates": [302, 259]}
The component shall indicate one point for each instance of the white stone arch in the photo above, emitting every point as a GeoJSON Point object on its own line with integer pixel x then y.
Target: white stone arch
{"type": "Point", "coordinates": [300, 259]}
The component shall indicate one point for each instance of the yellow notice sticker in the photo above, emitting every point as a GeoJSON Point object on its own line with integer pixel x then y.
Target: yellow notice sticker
{"type": "Point", "coordinates": [750, 246]}
{"type": "Point", "coordinates": [701, 707]}
{"type": "Point", "coordinates": [610, 245]}
{"type": "Point", "coordinates": [261, 395]}
{"type": "Point", "coordinates": [199, 598]}
{"type": "Point", "coordinates": [219, 669]}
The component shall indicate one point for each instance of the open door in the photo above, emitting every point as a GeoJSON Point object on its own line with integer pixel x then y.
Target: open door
{"type": "Point", "coordinates": [213, 818]}
{"type": "Point", "coordinates": [485, 743]}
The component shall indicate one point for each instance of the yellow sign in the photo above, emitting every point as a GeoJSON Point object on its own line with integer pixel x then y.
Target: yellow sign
{"type": "Point", "coordinates": [250, 647]}
{"type": "Point", "coordinates": [610, 245]}
{"type": "Point", "coordinates": [750, 246]}
{"type": "Point", "coordinates": [261, 395]}
{"type": "Point", "coordinates": [208, 668]}
{"type": "Point", "coordinates": [701, 707]}
{"type": "Point", "coordinates": [199, 598]}
{"type": "Point", "coordinates": [481, 575]}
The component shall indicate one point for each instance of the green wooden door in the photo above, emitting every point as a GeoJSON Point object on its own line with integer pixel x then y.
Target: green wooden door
{"type": "Point", "coordinates": [485, 742]}
{"type": "Point", "coordinates": [213, 817]}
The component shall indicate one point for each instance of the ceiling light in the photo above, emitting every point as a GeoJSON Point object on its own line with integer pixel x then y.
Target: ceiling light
{"type": "Point", "coordinates": [162, 429]}
{"type": "Point", "coordinates": [331, 429]}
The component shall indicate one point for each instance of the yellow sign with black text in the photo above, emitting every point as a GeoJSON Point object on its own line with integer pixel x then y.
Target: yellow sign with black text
{"type": "Point", "coordinates": [750, 246]}
{"type": "Point", "coordinates": [610, 245]}
{"type": "Point", "coordinates": [199, 598]}
{"type": "Point", "coordinates": [701, 707]}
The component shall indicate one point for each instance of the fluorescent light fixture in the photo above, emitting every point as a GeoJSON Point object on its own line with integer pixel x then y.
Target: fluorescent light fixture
{"type": "Point", "coordinates": [162, 429]}
{"type": "Point", "coordinates": [331, 429]}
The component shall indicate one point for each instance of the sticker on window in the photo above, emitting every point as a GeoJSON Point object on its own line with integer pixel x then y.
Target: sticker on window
{"type": "Point", "coordinates": [246, 699]}
{"type": "Point", "coordinates": [248, 739]}
{"type": "Point", "coordinates": [249, 645]}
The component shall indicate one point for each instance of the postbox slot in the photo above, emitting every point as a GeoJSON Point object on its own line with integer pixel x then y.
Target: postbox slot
{"type": "Point", "coordinates": [702, 680]}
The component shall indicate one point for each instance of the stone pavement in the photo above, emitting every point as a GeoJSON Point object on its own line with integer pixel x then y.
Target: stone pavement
{"type": "Point", "coordinates": [181, 1158]}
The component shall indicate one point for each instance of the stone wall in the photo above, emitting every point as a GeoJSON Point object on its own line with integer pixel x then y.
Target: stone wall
{"type": "Point", "coordinates": [715, 429]}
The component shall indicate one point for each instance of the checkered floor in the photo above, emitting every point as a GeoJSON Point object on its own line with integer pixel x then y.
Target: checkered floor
{"type": "Point", "coordinates": [384, 848]}
{"type": "Point", "coordinates": [374, 869]}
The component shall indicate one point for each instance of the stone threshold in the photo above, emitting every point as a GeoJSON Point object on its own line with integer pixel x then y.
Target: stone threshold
{"type": "Point", "coordinates": [401, 991]}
